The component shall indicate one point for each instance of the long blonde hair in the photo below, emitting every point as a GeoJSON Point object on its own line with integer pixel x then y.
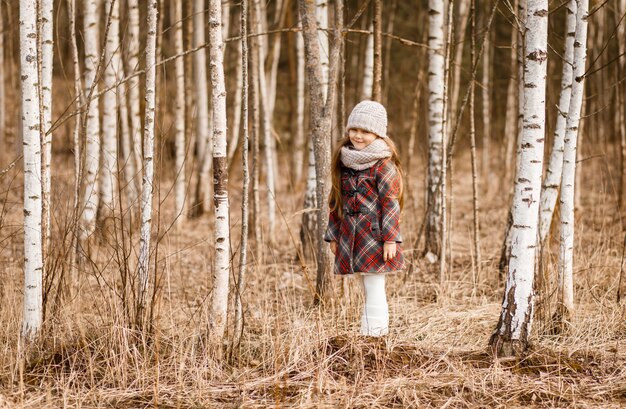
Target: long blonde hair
{"type": "Point", "coordinates": [335, 201]}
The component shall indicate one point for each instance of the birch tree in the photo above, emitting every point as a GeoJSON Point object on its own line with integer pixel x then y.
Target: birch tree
{"type": "Point", "coordinates": [47, 50]}
{"type": "Point", "coordinates": [266, 126]}
{"type": "Point", "coordinates": [133, 87]}
{"type": "Point", "coordinates": [566, 265]}
{"type": "Point", "coordinates": [179, 121]}
{"type": "Point", "coordinates": [514, 326]}
{"type": "Point", "coordinates": [552, 181]}
{"type": "Point", "coordinates": [321, 115]}
{"type": "Point", "coordinates": [299, 142]}
{"type": "Point", "coordinates": [308, 227]}
{"type": "Point", "coordinates": [221, 264]}
{"type": "Point", "coordinates": [91, 192]}
{"type": "Point", "coordinates": [112, 75]}
{"type": "Point", "coordinates": [368, 67]}
{"type": "Point", "coordinates": [245, 213]}
{"type": "Point", "coordinates": [148, 162]}
{"type": "Point", "coordinates": [31, 133]}
{"type": "Point", "coordinates": [202, 108]}
{"type": "Point", "coordinates": [436, 68]}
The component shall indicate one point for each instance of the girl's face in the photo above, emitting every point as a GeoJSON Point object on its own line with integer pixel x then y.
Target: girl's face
{"type": "Point", "coordinates": [360, 138]}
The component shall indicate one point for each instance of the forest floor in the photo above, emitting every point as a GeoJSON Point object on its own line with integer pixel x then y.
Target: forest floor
{"type": "Point", "coordinates": [295, 355]}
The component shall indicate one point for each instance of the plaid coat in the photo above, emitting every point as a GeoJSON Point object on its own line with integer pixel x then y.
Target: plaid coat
{"type": "Point", "coordinates": [371, 216]}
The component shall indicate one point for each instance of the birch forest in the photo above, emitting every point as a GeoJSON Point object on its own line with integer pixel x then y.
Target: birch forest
{"type": "Point", "coordinates": [165, 168]}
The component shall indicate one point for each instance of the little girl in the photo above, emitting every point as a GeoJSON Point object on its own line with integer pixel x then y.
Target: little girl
{"type": "Point", "coordinates": [365, 202]}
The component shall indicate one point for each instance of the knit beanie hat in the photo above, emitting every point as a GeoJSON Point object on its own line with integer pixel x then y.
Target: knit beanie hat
{"type": "Point", "coordinates": [370, 116]}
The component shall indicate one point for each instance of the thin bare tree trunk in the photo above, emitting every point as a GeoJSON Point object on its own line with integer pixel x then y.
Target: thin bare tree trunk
{"type": "Point", "coordinates": [148, 162]}
{"type": "Point", "coordinates": [368, 67]}
{"type": "Point", "coordinates": [71, 11]}
{"type": "Point", "coordinates": [378, 50]}
{"type": "Point", "coordinates": [472, 114]}
{"type": "Point", "coordinates": [270, 150]}
{"type": "Point", "coordinates": [486, 100]}
{"type": "Point", "coordinates": [221, 264]}
{"type": "Point", "coordinates": [255, 117]}
{"type": "Point", "coordinates": [299, 142]}
{"type": "Point", "coordinates": [444, 228]}
{"type": "Point", "coordinates": [47, 51]}
{"type": "Point", "coordinates": [92, 146]}
{"type": "Point", "coordinates": [566, 259]}
{"type": "Point", "coordinates": [237, 106]}
{"type": "Point", "coordinates": [245, 212]}
{"type": "Point", "coordinates": [179, 117]}
{"type": "Point", "coordinates": [31, 132]}
{"type": "Point", "coordinates": [621, 70]}
{"type": "Point", "coordinates": [133, 89]}
{"type": "Point", "coordinates": [203, 146]}
{"type": "Point", "coordinates": [112, 74]}
{"type": "Point", "coordinates": [514, 326]}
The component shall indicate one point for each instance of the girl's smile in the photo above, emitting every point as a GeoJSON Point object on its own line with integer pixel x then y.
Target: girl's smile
{"type": "Point", "coordinates": [360, 138]}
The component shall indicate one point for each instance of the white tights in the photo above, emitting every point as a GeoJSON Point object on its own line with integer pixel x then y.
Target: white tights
{"type": "Point", "coordinates": [375, 318]}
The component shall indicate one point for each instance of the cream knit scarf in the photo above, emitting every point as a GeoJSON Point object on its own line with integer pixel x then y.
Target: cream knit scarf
{"type": "Point", "coordinates": [366, 157]}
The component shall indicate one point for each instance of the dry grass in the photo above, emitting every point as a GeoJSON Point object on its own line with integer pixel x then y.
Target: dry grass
{"type": "Point", "coordinates": [293, 355]}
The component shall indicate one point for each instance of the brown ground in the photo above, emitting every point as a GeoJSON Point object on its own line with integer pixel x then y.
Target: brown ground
{"type": "Point", "coordinates": [294, 355]}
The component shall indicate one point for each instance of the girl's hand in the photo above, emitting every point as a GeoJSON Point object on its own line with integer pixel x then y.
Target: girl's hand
{"type": "Point", "coordinates": [333, 247]}
{"type": "Point", "coordinates": [389, 250]}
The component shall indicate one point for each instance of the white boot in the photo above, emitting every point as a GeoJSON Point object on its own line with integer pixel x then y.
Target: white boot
{"type": "Point", "coordinates": [375, 318]}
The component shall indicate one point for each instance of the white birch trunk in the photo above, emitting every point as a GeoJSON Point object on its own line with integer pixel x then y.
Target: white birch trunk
{"type": "Point", "coordinates": [79, 100]}
{"type": "Point", "coordinates": [221, 265]}
{"type": "Point", "coordinates": [179, 120]}
{"type": "Point", "coordinates": [566, 265]}
{"type": "Point", "coordinates": [31, 133]}
{"type": "Point", "coordinates": [128, 161]}
{"type": "Point", "coordinates": [552, 181]}
{"type": "Point", "coordinates": [47, 59]}
{"type": "Point", "coordinates": [514, 327]}
{"type": "Point", "coordinates": [148, 159]}
{"type": "Point", "coordinates": [321, 15]}
{"type": "Point", "coordinates": [368, 69]}
{"type": "Point", "coordinates": [266, 129]}
{"type": "Point", "coordinates": [272, 74]}
{"type": "Point", "coordinates": [92, 146]}
{"type": "Point", "coordinates": [112, 74]}
{"type": "Point", "coordinates": [436, 72]}
{"type": "Point", "coordinates": [236, 125]}
{"type": "Point", "coordinates": [199, 72]}
{"type": "Point", "coordinates": [245, 213]}
{"type": "Point", "coordinates": [203, 126]}
{"type": "Point", "coordinates": [133, 89]}
{"type": "Point", "coordinates": [299, 143]}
